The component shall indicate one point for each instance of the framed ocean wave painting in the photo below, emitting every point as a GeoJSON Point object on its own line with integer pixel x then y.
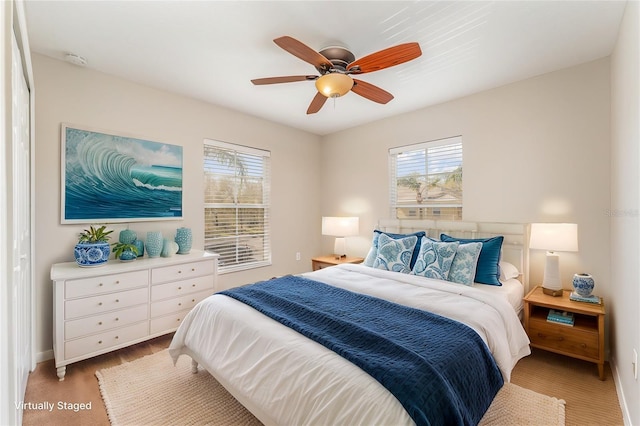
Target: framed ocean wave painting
{"type": "Point", "coordinates": [108, 178]}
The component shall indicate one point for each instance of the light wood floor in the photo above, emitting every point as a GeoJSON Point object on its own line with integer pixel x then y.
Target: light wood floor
{"type": "Point", "coordinates": [590, 401]}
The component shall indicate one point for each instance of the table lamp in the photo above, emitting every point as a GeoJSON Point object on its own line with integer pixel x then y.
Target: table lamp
{"type": "Point", "coordinates": [339, 227]}
{"type": "Point", "coordinates": [553, 237]}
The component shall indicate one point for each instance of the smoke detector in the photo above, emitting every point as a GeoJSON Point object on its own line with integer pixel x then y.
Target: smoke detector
{"type": "Point", "coordinates": [76, 59]}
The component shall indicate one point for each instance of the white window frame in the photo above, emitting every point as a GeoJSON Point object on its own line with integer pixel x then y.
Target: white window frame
{"type": "Point", "coordinates": [394, 153]}
{"type": "Point", "coordinates": [238, 265]}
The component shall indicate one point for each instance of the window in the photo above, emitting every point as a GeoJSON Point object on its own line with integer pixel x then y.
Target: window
{"type": "Point", "coordinates": [237, 205]}
{"type": "Point", "coordinates": [426, 180]}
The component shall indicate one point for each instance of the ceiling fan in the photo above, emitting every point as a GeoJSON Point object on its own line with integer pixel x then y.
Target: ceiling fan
{"type": "Point", "coordinates": [336, 65]}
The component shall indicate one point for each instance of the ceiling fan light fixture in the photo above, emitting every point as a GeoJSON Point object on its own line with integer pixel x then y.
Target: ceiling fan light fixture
{"type": "Point", "coordinates": [334, 85]}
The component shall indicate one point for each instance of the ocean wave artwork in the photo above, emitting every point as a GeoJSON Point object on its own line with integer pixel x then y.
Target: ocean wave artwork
{"type": "Point", "coordinates": [110, 178]}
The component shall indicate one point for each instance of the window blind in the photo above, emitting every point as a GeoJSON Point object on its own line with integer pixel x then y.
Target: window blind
{"type": "Point", "coordinates": [426, 180]}
{"type": "Point", "coordinates": [237, 205]}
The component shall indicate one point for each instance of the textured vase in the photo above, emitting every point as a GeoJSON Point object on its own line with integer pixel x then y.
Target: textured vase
{"type": "Point", "coordinates": [140, 246]}
{"type": "Point", "coordinates": [127, 236]}
{"type": "Point", "coordinates": [169, 248]}
{"type": "Point", "coordinates": [154, 243]}
{"type": "Point", "coordinates": [92, 254]}
{"type": "Point", "coordinates": [184, 238]}
{"type": "Point", "coordinates": [583, 284]}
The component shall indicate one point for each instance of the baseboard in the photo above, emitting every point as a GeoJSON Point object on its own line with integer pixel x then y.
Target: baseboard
{"type": "Point", "coordinates": [626, 417]}
{"type": "Point", "coordinates": [44, 356]}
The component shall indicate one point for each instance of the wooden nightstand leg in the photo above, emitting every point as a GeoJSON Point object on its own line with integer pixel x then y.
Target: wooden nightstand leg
{"type": "Point", "coordinates": [601, 370]}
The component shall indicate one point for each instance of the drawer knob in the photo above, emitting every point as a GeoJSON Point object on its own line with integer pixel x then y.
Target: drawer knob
{"type": "Point", "coordinates": [584, 345]}
{"type": "Point", "coordinates": [179, 288]}
{"type": "Point", "coordinates": [193, 300]}
{"type": "Point", "coordinates": [116, 337]}
{"type": "Point", "coordinates": [178, 320]}
{"type": "Point", "coordinates": [179, 272]}
{"type": "Point", "coordinates": [193, 269]}
{"type": "Point", "coordinates": [117, 300]}
{"type": "Point", "coordinates": [100, 323]}
{"type": "Point", "coordinates": [100, 285]}
{"type": "Point", "coordinates": [99, 342]}
{"type": "Point", "coordinates": [99, 303]}
{"type": "Point", "coordinates": [180, 304]}
{"type": "Point", "coordinates": [117, 319]}
{"type": "Point", "coordinates": [117, 282]}
{"type": "Point", "coordinates": [193, 285]}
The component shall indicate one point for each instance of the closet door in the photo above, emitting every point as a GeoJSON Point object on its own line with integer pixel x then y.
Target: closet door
{"type": "Point", "coordinates": [21, 223]}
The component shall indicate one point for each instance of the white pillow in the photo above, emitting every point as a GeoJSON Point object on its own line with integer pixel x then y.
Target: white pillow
{"type": "Point", "coordinates": [508, 271]}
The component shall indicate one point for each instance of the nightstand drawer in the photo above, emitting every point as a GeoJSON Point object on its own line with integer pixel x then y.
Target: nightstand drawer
{"type": "Point", "coordinates": [564, 338]}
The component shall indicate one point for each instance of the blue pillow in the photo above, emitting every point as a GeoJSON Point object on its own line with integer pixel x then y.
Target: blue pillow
{"type": "Point", "coordinates": [395, 254]}
{"type": "Point", "coordinates": [463, 267]}
{"type": "Point", "coordinates": [487, 270]}
{"type": "Point", "coordinates": [373, 251]}
{"type": "Point", "coordinates": [435, 259]}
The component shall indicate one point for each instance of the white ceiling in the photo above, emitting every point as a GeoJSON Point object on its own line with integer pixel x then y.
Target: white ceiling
{"type": "Point", "coordinates": [210, 50]}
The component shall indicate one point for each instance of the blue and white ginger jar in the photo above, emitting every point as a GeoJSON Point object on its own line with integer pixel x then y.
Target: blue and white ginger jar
{"type": "Point", "coordinates": [583, 284]}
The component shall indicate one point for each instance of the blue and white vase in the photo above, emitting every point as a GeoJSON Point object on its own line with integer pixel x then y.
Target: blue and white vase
{"type": "Point", "coordinates": [583, 284]}
{"type": "Point", "coordinates": [92, 254]}
{"type": "Point", "coordinates": [154, 243]}
{"type": "Point", "coordinates": [184, 238]}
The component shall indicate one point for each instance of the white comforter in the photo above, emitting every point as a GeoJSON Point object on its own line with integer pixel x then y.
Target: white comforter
{"type": "Point", "coordinates": [284, 378]}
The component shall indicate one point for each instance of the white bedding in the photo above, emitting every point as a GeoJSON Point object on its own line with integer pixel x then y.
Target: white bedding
{"type": "Point", "coordinates": [284, 378]}
{"type": "Point", "coordinates": [512, 290]}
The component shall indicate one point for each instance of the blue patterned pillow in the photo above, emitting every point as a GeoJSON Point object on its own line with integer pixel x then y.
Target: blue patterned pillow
{"type": "Point", "coordinates": [463, 268]}
{"type": "Point", "coordinates": [373, 251]}
{"type": "Point", "coordinates": [395, 255]}
{"type": "Point", "coordinates": [488, 270]}
{"type": "Point", "coordinates": [435, 259]}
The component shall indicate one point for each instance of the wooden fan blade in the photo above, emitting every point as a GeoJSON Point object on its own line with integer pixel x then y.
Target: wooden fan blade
{"type": "Point", "coordinates": [285, 79]}
{"type": "Point", "coordinates": [317, 103]}
{"type": "Point", "coordinates": [385, 58]}
{"type": "Point", "coordinates": [304, 52]}
{"type": "Point", "coordinates": [371, 92]}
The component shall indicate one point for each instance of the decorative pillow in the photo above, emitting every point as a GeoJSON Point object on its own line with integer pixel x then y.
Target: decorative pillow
{"type": "Point", "coordinates": [395, 254]}
{"type": "Point", "coordinates": [463, 268]}
{"type": "Point", "coordinates": [487, 271]}
{"type": "Point", "coordinates": [373, 251]}
{"type": "Point", "coordinates": [508, 271]}
{"type": "Point", "coordinates": [435, 259]}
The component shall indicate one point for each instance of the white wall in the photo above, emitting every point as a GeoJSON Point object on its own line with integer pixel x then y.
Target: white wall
{"type": "Point", "coordinates": [67, 93]}
{"type": "Point", "coordinates": [534, 151]}
{"type": "Point", "coordinates": [625, 203]}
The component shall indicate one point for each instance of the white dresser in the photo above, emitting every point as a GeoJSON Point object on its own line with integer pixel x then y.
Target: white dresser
{"type": "Point", "coordinates": [101, 309]}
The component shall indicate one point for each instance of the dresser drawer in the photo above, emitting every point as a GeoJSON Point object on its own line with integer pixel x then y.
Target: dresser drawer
{"type": "Point", "coordinates": [99, 323]}
{"type": "Point", "coordinates": [564, 338]}
{"type": "Point", "coordinates": [179, 288]}
{"type": "Point", "coordinates": [168, 323]}
{"type": "Point", "coordinates": [178, 304]}
{"type": "Point", "coordinates": [105, 284]}
{"type": "Point", "coordinates": [106, 302]}
{"type": "Point", "coordinates": [181, 272]}
{"type": "Point", "coordinates": [106, 340]}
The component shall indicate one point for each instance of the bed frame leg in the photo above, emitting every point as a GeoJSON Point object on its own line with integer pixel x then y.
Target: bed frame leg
{"type": "Point", "coordinates": [194, 366]}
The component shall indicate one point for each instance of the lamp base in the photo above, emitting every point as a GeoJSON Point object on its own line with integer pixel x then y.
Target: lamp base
{"type": "Point", "coordinates": [552, 292]}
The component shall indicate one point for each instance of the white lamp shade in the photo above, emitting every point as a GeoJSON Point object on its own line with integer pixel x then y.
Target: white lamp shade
{"type": "Point", "coordinates": [340, 226]}
{"type": "Point", "coordinates": [554, 236]}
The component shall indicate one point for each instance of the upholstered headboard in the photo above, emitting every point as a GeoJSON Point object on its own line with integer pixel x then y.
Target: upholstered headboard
{"type": "Point", "coordinates": [514, 247]}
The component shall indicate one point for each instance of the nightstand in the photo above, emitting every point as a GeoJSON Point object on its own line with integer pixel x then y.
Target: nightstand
{"type": "Point", "coordinates": [584, 340]}
{"type": "Point", "coordinates": [321, 262]}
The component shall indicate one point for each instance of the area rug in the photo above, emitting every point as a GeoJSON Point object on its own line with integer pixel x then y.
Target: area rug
{"type": "Point", "coordinates": [151, 391]}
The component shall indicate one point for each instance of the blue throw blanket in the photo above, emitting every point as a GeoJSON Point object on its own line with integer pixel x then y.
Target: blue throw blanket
{"type": "Point", "coordinates": [439, 369]}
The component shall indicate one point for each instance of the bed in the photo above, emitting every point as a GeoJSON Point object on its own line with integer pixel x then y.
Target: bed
{"type": "Point", "coordinates": [285, 377]}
